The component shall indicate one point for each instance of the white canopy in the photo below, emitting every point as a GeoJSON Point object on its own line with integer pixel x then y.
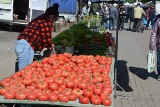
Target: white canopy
{"type": "Point", "coordinates": [127, 4]}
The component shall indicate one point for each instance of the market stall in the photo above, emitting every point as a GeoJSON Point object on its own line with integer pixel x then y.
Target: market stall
{"type": "Point", "coordinates": [82, 79]}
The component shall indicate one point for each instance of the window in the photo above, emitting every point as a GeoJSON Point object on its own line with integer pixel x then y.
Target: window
{"type": "Point", "coordinates": [6, 1]}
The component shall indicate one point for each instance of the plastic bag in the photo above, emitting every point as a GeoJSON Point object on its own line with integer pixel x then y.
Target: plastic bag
{"type": "Point", "coordinates": [151, 61]}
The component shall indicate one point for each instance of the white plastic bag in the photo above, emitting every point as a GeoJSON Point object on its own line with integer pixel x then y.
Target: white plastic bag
{"type": "Point", "coordinates": [151, 61]}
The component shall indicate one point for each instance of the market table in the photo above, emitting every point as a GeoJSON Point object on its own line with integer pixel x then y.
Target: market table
{"type": "Point", "coordinates": [70, 103]}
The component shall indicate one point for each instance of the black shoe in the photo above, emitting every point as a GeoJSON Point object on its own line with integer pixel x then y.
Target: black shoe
{"type": "Point", "coordinates": [158, 78]}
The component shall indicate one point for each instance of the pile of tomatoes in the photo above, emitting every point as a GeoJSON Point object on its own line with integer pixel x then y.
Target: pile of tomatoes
{"type": "Point", "coordinates": [63, 78]}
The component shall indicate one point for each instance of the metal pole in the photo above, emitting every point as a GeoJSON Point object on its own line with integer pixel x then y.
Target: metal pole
{"type": "Point", "coordinates": [116, 51]}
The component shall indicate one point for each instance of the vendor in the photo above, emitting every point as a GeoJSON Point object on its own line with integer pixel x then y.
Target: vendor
{"type": "Point", "coordinates": [35, 37]}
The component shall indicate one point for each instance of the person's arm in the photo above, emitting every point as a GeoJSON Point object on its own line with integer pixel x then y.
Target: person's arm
{"type": "Point", "coordinates": [153, 37]}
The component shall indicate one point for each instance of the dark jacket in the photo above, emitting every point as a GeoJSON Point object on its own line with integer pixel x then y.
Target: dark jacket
{"type": "Point", "coordinates": [131, 13]}
{"type": "Point", "coordinates": [151, 13]}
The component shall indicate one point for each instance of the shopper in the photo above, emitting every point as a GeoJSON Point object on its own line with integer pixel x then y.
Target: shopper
{"type": "Point", "coordinates": [138, 12]}
{"type": "Point", "coordinates": [155, 43]}
{"type": "Point", "coordinates": [35, 37]}
{"type": "Point", "coordinates": [152, 13]}
{"type": "Point", "coordinates": [113, 12]}
{"type": "Point", "coordinates": [131, 17]}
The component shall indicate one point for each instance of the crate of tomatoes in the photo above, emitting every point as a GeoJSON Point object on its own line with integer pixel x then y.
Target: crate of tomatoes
{"type": "Point", "coordinates": [63, 79]}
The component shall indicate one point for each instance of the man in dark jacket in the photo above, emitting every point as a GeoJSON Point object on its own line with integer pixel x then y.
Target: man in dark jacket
{"type": "Point", "coordinates": [151, 15]}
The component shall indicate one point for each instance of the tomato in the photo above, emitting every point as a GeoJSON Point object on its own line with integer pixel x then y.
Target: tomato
{"type": "Point", "coordinates": [49, 80]}
{"type": "Point", "coordinates": [42, 85]}
{"type": "Point", "coordinates": [72, 97]}
{"type": "Point", "coordinates": [20, 95]}
{"type": "Point", "coordinates": [87, 92]}
{"type": "Point", "coordinates": [77, 91]}
{"type": "Point", "coordinates": [108, 89]}
{"type": "Point", "coordinates": [59, 80]}
{"type": "Point", "coordinates": [97, 91]}
{"type": "Point", "coordinates": [3, 91]}
{"type": "Point", "coordinates": [65, 73]}
{"type": "Point", "coordinates": [9, 95]}
{"type": "Point", "coordinates": [82, 85]}
{"type": "Point", "coordinates": [106, 101]}
{"type": "Point", "coordinates": [70, 84]}
{"type": "Point", "coordinates": [95, 99]}
{"type": "Point", "coordinates": [97, 57]}
{"type": "Point", "coordinates": [32, 96]}
{"type": "Point", "coordinates": [27, 81]}
{"type": "Point", "coordinates": [53, 98]}
{"type": "Point", "coordinates": [67, 91]}
{"type": "Point", "coordinates": [53, 86]}
{"type": "Point", "coordinates": [43, 97]}
{"type": "Point", "coordinates": [84, 100]}
{"type": "Point", "coordinates": [64, 98]}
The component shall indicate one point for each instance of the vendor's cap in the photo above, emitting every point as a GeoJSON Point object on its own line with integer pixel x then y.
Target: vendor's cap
{"type": "Point", "coordinates": [52, 11]}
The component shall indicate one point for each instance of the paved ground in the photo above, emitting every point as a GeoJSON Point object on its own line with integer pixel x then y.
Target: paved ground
{"type": "Point", "coordinates": [141, 88]}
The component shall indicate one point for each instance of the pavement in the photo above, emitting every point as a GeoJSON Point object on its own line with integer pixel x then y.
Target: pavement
{"type": "Point", "coordinates": [141, 89]}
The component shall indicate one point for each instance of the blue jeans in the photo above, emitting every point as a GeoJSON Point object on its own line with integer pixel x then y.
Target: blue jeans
{"type": "Point", "coordinates": [24, 52]}
{"type": "Point", "coordinates": [112, 23]}
{"type": "Point", "coordinates": [158, 61]}
{"type": "Point", "coordinates": [106, 24]}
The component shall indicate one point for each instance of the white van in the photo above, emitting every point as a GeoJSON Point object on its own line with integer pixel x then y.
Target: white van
{"type": "Point", "coordinates": [21, 11]}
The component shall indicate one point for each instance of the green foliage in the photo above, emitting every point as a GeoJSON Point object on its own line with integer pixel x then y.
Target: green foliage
{"type": "Point", "coordinates": [84, 40]}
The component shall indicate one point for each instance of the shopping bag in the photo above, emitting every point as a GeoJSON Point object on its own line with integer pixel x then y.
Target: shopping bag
{"type": "Point", "coordinates": [151, 61]}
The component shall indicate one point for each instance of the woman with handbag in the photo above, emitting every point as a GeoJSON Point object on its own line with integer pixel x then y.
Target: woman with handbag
{"type": "Point", "coordinates": [155, 43]}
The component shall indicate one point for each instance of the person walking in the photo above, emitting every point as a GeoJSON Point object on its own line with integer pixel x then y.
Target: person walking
{"type": "Point", "coordinates": [121, 17]}
{"type": "Point", "coordinates": [151, 15]}
{"type": "Point", "coordinates": [131, 17]}
{"type": "Point", "coordinates": [113, 12]}
{"type": "Point", "coordinates": [35, 37]}
{"type": "Point", "coordinates": [155, 44]}
{"type": "Point", "coordinates": [105, 17]}
{"type": "Point", "coordinates": [138, 12]}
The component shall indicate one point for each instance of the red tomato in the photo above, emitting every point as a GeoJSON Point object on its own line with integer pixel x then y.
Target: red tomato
{"type": "Point", "coordinates": [78, 92]}
{"type": "Point", "coordinates": [106, 101]}
{"type": "Point", "coordinates": [9, 95]}
{"type": "Point", "coordinates": [20, 95]}
{"type": "Point", "coordinates": [95, 99]}
{"type": "Point", "coordinates": [53, 86]}
{"type": "Point", "coordinates": [42, 85]}
{"type": "Point", "coordinates": [3, 91]}
{"type": "Point", "coordinates": [59, 80]}
{"type": "Point", "coordinates": [97, 91]}
{"type": "Point", "coordinates": [84, 100]}
{"type": "Point", "coordinates": [65, 73]}
{"type": "Point", "coordinates": [64, 98]}
{"type": "Point", "coordinates": [32, 96]}
{"type": "Point", "coordinates": [43, 97]}
{"type": "Point", "coordinates": [67, 91]}
{"type": "Point", "coordinates": [87, 92]}
{"type": "Point", "coordinates": [82, 85]}
{"type": "Point", "coordinates": [72, 97]}
{"type": "Point", "coordinates": [70, 84]}
{"type": "Point", "coordinates": [27, 81]}
{"type": "Point", "coordinates": [53, 98]}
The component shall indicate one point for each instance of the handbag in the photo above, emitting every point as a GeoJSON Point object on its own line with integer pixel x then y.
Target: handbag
{"type": "Point", "coordinates": [151, 61]}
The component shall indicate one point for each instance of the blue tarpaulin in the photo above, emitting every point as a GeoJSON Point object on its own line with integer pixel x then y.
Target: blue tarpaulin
{"type": "Point", "coordinates": [66, 6]}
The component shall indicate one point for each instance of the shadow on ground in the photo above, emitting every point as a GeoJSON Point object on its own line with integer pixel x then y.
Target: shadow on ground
{"type": "Point", "coordinates": [122, 76]}
{"type": "Point", "coordinates": [142, 73]}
